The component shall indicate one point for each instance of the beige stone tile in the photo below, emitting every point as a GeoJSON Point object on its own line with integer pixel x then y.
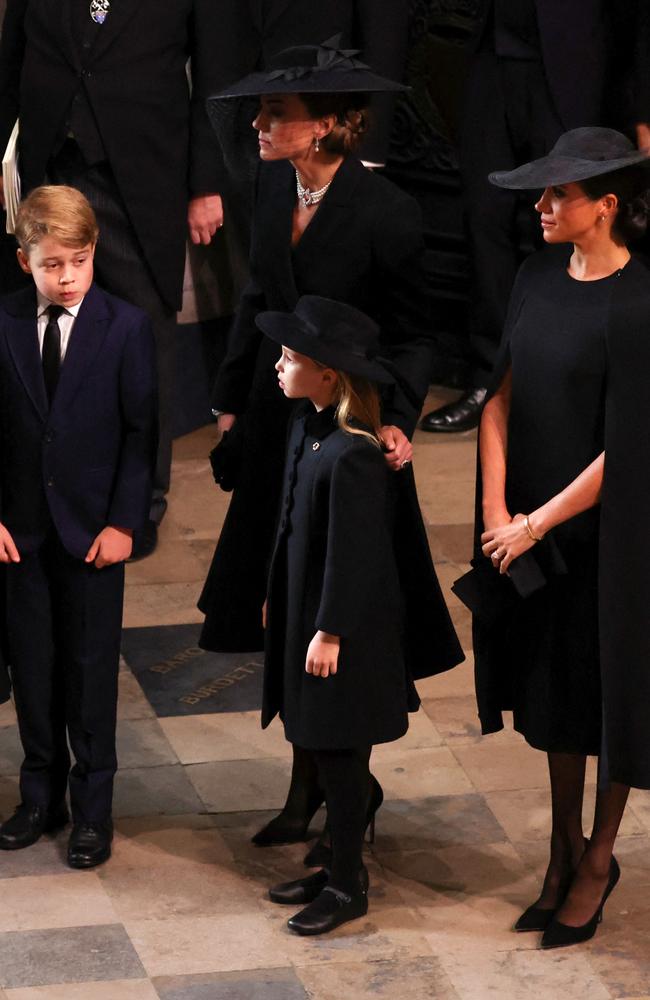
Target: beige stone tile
{"type": "Point", "coordinates": [419, 773]}
{"type": "Point", "coordinates": [639, 803]}
{"type": "Point", "coordinates": [193, 945]}
{"type": "Point", "coordinates": [73, 899]}
{"type": "Point", "coordinates": [455, 683]}
{"type": "Point", "coordinates": [462, 621]}
{"type": "Point", "coordinates": [457, 721]}
{"type": "Point", "coordinates": [421, 735]}
{"type": "Point", "coordinates": [122, 989]}
{"type": "Point", "coordinates": [451, 542]}
{"type": "Point", "coordinates": [196, 506]}
{"type": "Point", "coordinates": [443, 498]}
{"type": "Point", "coordinates": [523, 975]}
{"type": "Point", "coordinates": [419, 978]}
{"type": "Point", "coordinates": [526, 814]}
{"type": "Point", "coordinates": [7, 714]}
{"type": "Point", "coordinates": [508, 766]}
{"type": "Point", "coordinates": [196, 445]}
{"type": "Point", "coordinates": [159, 841]}
{"type": "Point", "coordinates": [176, 560]}
{"type": "Point", "coordinates": [224, 736]}
{"type": "Point", "coordinates": [132, 702]}
{"type": "Point", "coordinates": [619, 952]}
{"type": "Point", "coordinates": [161, 604]}
{"type": "Point", "coordinates": [241, 785]}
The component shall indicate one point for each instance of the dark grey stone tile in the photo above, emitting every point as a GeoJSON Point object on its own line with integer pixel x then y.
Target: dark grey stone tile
{"type": "Point", "coordinates": [9, 796]}
{"type": "Point", "coordinates": [155, 791]}
{"type": "Point", "coordinates": [260, 984]}
{"type": "Point", "coordinates": [142, 743]}
{"type": "Point", "coordinates": [46, 857]}
{"type": "Point", "coordinates": [68, 955]}
{"type": "Point", "coordinates": [11, 752]}
{"type": "Point", "coordinates": [438, 821]}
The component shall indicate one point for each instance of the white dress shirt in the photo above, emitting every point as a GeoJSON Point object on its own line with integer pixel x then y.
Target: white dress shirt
{"type": "Point", "coordinates": [66, 322]}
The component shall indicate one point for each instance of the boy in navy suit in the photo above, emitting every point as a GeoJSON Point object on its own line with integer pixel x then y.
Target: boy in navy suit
{"type": "Point", "coordinates": [78, 441]}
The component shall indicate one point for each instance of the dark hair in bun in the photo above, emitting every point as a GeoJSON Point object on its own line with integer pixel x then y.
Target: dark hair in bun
{"type": "Point", "coordinates": [352, 120]}
{"type": "Point", "coordinates": [630, 185]}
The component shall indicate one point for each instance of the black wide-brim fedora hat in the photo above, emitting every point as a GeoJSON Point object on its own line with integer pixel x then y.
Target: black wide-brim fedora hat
{"type": "Point", "coordinates": [576, 156]}
{"type": "Point", "coordinates": [314, 69]}
{"type": "Point", "coordinates": [331, 332]}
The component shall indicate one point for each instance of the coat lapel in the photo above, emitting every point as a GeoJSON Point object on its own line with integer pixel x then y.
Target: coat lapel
{"type": "Point", "coordinates": [86, 339]}
{"type": "Point", "coordinates": [274, 226]}
{"type": "Point", "coordinates": [333, 208]}
{"type": "Point", "coordinates": [59, 17]}
{"type": "Point", "coordinates": [22, 339]}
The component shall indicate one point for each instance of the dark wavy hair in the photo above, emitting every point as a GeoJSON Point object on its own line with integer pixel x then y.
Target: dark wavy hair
{"type": "Point", "coordinates": [352, 119]}
{"type": "Point", "coordinates": [631, 187]}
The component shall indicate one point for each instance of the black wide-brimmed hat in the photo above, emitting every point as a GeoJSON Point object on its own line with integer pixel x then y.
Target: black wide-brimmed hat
{"type": "Point", "coordinates": [333, 333]}
{"type": "Point", "coordinates": [314, 69]}
{"type": "Point", "coordinates": [576, 156]}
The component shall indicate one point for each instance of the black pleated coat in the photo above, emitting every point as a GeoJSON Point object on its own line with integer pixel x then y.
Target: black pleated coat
{"type": "Point", "coordinates": [334, 569]}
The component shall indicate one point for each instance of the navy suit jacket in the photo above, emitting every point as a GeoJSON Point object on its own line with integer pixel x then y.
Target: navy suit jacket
{"type": "Point", "coordinates": [88, 461]}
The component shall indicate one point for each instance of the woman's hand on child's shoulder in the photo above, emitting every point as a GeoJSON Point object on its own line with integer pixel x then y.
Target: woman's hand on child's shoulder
{"type": "Point", "coordinates": [323, 655]}
{"type": "Point", "coordinates": [398, 450]}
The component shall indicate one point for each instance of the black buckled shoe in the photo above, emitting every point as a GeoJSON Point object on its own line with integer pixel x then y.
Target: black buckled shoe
{"type": "Point", "coordinates": [90, 844]}
{"type": "Point", "coordinates": [331, 908]}
{"type": "Point", "coordinates": [301, 890]}
{"type": "Point", "coordinates": [29, 823]}
{"type": "Point", "coordinates": [463, 415]}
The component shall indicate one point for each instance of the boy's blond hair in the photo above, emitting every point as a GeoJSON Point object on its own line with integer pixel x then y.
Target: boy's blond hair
{"type": "Point", "coordinates": [58, 211]}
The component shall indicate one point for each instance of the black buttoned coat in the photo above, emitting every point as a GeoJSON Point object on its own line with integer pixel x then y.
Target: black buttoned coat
{"type": "Point", "coordinates": [334, 569]}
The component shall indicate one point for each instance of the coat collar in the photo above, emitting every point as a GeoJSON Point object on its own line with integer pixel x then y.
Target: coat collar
{"type": "Point", "coordinates": [87, 337]}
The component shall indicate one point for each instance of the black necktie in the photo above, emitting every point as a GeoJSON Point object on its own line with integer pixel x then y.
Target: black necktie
{"type": "Point", "coordinates": [52, 350]}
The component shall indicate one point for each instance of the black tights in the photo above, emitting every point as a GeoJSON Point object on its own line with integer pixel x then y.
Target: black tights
{"type": "Point", "coordinates": [345, 778]}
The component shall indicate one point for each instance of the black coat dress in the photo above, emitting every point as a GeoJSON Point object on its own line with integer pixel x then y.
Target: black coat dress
{"type": "Point", "coordinates": [364, 247]}
{"type": "Point", "coordinates": [571, 660]}
{"type": "Point", "coordinates": [334, 569]}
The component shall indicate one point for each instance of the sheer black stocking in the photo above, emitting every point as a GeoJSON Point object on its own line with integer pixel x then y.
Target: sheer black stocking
{"type": "Point", "coordinates": [567, 774]}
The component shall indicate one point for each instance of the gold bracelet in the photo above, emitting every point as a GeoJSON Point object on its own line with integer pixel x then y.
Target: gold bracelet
{"type": "Point", "coordinates": [531, 533]}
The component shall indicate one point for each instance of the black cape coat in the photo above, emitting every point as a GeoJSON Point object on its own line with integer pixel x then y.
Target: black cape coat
{"type": "Point", "coordinates": [623, 541]}
{"type": "Point", "coordinates": [364, 247]}
{"type": "Point", "coordinates": [334, 569]}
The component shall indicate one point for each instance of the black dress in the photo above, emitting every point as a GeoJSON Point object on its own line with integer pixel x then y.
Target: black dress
{"type": "Point", "coordinates": [334, 569]}
{"type": "Point", "coordinates": [542, 659]}
{"type": "Point", "coordinates": [363, 247]}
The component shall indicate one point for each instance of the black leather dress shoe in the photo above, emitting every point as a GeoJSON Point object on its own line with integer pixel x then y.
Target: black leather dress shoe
{"type": "Point", "coordinates": [301, 890]}
{"type": "Point", "coordinates": [331, 908]}
{"type": "Point", "coordinates": [463, 415]}
{"type": "Point", "coordinates": [144, 542]}
{"type": "Point", "coordinates": [29, 823]}
{"type": "Point", "coordinates": [90, 844]}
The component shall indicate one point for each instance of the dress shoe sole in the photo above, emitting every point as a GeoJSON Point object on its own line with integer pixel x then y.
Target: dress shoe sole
{"type": "Point", "coordinates": [87, 862]}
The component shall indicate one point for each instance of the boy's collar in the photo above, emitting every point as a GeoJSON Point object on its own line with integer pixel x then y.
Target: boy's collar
{"type": "Point", "coordinates": [43, 303]}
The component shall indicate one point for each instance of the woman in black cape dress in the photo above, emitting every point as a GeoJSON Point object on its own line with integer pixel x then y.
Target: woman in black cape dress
{"type": "Point", "coordinates": [558, 441]}
{"type": "Point", "coordinates": [364, 246]}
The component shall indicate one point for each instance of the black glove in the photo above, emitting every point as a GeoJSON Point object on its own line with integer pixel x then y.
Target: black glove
{"type": "Point", "coordinates": [225, 460]}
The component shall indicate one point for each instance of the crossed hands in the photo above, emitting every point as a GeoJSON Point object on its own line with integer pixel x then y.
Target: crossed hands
{"type": "Point", "coordinates": [506, 542]}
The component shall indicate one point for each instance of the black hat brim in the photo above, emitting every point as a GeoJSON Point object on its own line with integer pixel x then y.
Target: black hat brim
{"type": "Point", "coordinates": [550, 170]}
{"type": "Point", "coordinates": [289, 330]}
{"type": "Point", "coordinates": [321, 82]}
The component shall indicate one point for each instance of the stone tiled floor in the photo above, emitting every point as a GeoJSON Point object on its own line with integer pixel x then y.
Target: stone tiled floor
{"type": "Point", "coordinates": [180, 913]}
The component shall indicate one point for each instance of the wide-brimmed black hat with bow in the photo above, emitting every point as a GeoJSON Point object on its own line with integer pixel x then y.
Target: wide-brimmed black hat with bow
{"type": "Point", "coordinates": [313, 69]}
{"type": "Point", "coordinates": [576, 156]}
{"type": "Point", "coordinates": [333, 333]}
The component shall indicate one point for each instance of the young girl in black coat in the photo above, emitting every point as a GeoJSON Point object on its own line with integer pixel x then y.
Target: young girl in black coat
{"type": "Point", "coordinates": [335, 667]}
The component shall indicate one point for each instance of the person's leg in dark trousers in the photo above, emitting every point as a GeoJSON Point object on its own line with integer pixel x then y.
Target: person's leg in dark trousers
{"type": "Point", "coordinates": [121, 269]}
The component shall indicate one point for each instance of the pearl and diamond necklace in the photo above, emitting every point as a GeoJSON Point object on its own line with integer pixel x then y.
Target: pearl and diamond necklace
{"type": "Point", "coordinates": [308, 197]}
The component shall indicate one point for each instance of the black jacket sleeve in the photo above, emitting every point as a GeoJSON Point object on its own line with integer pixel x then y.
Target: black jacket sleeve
{"type": "Point", "coordinates": [12, 50]}
{"type": "Point", "coordinates": [235, 376]}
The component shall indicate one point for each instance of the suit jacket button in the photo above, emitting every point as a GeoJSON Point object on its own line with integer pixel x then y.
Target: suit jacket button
{"type": "Point", "coordinates": [315, 446]}
{"type": "Point", "coordinates": [50, 481]}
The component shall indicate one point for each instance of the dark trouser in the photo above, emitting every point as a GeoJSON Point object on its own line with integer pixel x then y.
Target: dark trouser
{"type": "Point", "coordinates": [64, 620]}
{"type": "Point", "coordinates": [121, 269]}
{"type": "Point", "coordinates": [509, 118]}
{"type": "Point", "coordinates": [345, 778]}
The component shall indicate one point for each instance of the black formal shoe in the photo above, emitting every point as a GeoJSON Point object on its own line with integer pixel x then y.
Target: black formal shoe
{"type": "Point", "coordinates": [288, 829]}
{"type": "Point", "coordinates": [537, 918]}
{"type": "Point", "coordinates": [320, 855]}
{"type": "Point", "coordinates": [29, 823]}
{"type": "Point", "coordinates": [331, 908]}
{"type": "Point", "coordinates": [144, 541]}
{"type": "Point", "coordinates": [301, 890]}
{"type": "Point", "coordinates": [463, 415]}
{"type": "Point", "coordinates": [559, 935]}
{"type": "Point", "coordinates": [90, 844]}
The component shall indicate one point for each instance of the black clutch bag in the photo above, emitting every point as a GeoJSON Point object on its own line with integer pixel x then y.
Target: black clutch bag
{"type": "Point", "coordinates": [489, 594]}
{"type": "Point", "coordinates": [225, 459]}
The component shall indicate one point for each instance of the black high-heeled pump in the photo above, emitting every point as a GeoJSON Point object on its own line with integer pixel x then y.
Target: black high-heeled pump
{"type": "Point", "coordinates": [537, 918]}
{"type": "Point", "coordinates": [288, 829]}
{"type": "Point", "coordinates": [320, 855]}
{"type": "Point", "coordinates": [559, 935]}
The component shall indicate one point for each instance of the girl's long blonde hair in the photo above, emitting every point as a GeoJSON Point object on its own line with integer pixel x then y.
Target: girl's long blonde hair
{"type": "Point", "coordinates": [357, 398]}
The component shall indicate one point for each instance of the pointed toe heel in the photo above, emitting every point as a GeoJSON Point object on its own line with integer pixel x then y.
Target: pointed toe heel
{"type": "Point", "coordinates": [559, 935]}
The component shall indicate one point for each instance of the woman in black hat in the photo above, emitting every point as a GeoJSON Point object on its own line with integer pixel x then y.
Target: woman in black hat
{"type": "Point", "coordinates": [561, 476]}
{"type": "Point", "coordinates": [336, 662]}
{"type": "Point", "coordinates": [326, 225]}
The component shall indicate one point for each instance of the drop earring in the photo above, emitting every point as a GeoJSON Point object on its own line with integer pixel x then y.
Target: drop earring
{"type": "Point", "coordinates": [316, 144]}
